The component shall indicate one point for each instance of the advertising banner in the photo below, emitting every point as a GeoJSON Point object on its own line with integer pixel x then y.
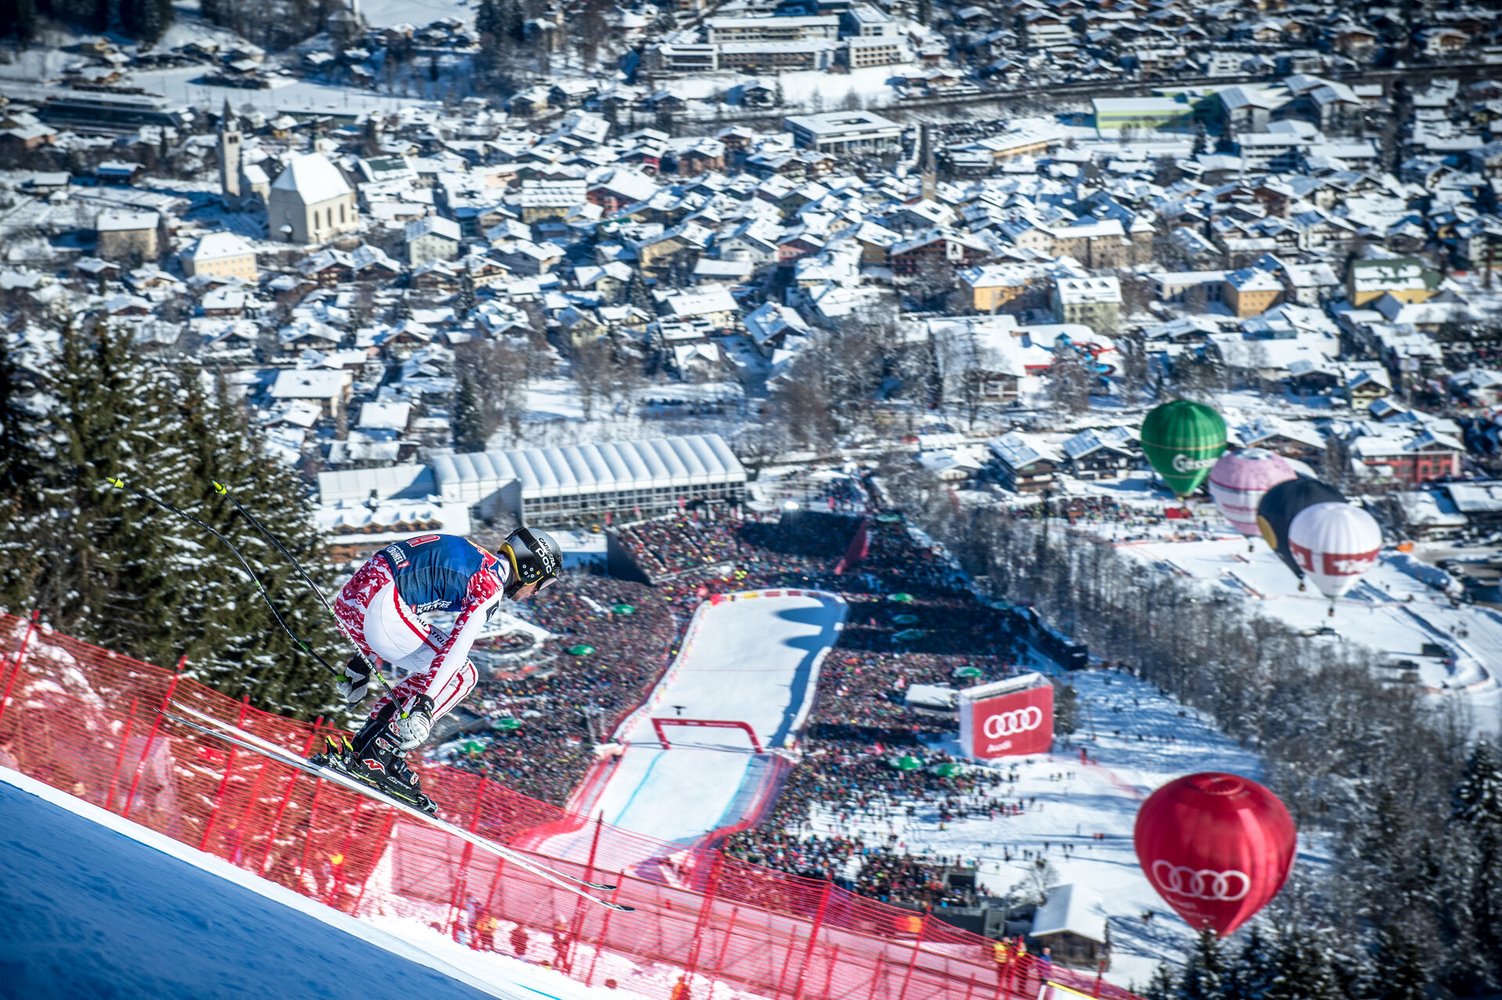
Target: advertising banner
{"type": "Point", "coordinates": [1010, 717]}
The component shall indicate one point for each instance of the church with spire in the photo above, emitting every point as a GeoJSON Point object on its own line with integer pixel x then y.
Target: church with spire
{"type": "Point", "coordinates": [240, 184]}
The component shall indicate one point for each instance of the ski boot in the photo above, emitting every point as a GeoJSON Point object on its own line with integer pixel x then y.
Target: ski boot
{"type": "Point", "coordinates": [374, 756]}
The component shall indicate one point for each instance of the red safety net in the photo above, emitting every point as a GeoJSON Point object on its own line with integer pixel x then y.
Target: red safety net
{"type": "Point", "coordinates": [91, 721]}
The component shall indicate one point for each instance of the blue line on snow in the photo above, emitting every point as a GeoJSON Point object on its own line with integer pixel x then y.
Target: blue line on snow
{"type": "Point", "coordinates": [637, 790]}
{"type": "Point", "coordinates": [540, 993]}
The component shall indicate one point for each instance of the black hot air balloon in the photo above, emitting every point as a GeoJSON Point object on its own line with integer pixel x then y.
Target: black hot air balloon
{"type": "Point", "coordinates": [1281, 504]}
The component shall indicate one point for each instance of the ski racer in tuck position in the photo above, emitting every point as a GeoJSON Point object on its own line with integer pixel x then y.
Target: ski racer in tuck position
{"type": "Point", "coordinates": [380, 609]}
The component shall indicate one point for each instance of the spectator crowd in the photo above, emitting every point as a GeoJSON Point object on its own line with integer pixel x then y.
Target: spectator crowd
{"type": "Point", "coordinates": [865, 751]}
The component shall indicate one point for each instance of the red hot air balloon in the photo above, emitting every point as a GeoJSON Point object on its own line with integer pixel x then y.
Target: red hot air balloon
{"type": "Point", "coordinates": [1216, 846]}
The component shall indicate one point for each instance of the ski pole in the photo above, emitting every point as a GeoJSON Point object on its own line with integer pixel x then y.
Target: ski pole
{"type": "Point", "coordinates": [120, 483]}
{"type": "Point", "coordinates": [223, 491]}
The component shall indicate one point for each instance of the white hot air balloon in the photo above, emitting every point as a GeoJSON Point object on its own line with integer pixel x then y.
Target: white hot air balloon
{"type": "Point", "coordinates": [1239, 480]}
{"type": "Point", "coordinates": [1334, 543]}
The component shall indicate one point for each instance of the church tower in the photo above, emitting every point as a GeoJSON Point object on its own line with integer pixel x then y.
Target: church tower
{"type": "Point", "coordinates": [229, 154]}
{"type": "Point", "coordinates": [927, 161]}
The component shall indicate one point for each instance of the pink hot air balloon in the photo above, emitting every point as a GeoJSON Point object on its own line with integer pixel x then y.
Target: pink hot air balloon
{"type": "Point", "coordinates": [1239, 479]}
{"type": "Point", "coordinates": [1216, 846]}
{"type": "Point", "coordinates": [1334, 543]}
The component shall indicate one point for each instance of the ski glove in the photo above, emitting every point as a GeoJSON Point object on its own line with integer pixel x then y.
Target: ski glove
{"type": "Point", "coordinates": [355, 684]}
{"type": "Point", "coordinates": [413, 725]}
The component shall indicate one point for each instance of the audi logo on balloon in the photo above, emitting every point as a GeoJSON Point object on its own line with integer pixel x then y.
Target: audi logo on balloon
{"type": "Point", "coordinates": [1201, 883]}
{"type": "Point", "coordinates": [1023, 720]}
{"type": "Point", "coordinates": [1216, 846]}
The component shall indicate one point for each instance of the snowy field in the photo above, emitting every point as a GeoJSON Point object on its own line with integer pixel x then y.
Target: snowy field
{"type": "Point", "coordinates": [1398, 611]}
{"type": "Point", "coordinates": [1079, 816]}
{"type": "Point", "coordinates": [751, 659]}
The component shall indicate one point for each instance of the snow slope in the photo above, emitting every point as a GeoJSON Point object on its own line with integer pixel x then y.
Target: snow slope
{"type": "Point", "coordinates": [96, 906]}
{"type": "Point", "coordinates": [753, 658]}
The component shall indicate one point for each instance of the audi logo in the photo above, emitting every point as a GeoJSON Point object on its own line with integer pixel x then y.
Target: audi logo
{"type": "Point", "coordinates": [1201, 883]}
{"type": "Point", "coordinates": [1023, 720]}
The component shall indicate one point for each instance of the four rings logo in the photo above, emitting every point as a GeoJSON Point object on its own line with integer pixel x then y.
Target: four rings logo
{"type": "Point", "coordinates": [1023, 720]}
{"type": "Point", "coordinates": [1201, 883]}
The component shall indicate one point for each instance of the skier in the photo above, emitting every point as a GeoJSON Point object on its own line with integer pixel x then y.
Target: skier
{"type": "Point", "coordinates": [380, 609]}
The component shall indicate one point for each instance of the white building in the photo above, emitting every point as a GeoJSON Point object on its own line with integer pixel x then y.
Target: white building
{"type": "Point", "coordinates": [311, 202]}
{"type": "Point", "coordinates": [221, 255]}
{"type": "Point", "coordinates": [432, 238]}
{"type": "Point", "coordinates": [844, 132]}
{"type": "Point", "coordinates": [1094, 301]}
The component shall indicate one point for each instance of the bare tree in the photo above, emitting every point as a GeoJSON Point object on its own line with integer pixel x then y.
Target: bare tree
{"type": "Point", "coordinates": [1068, 381]}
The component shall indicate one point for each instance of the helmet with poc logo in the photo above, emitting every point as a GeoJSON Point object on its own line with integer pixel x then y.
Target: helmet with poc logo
{"type": "Point", "coordinates": [535, 560]}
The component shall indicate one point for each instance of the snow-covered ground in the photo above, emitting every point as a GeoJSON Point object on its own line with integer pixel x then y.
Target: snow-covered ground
{"type": "Point", "coordinates": [97, 906]}
{"type": "Point", "coordinates": [752, 658]}
{"type": "Point", "coordinates": [1400, 610]}
{"type": "Point", "coordinates": [1079, 816]}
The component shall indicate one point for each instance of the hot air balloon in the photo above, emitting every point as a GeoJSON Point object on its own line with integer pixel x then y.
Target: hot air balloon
{"type": "Point", "coordinates": [1216, 846]}
{"type": "Point", "coordinates": [1281, 504]}
{"type": "Point", "coordinates": [1182, 439]}
{"type": "Point", "coordinates": [1334, 543]}
{"type": "Point", "coordinates": [1239, 480]}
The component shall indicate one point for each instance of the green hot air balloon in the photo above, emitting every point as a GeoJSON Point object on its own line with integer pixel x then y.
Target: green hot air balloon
{"type": "Point", "coordinates": [1182, 440]}
{"type": "Point", "coordinates": [1281, 504]}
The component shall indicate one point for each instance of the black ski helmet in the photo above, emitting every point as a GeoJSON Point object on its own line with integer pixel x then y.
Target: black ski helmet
{"type": "Point", "coordinates": [535, 559]}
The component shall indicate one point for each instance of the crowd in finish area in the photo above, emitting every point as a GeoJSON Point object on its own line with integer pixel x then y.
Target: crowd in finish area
{"type": "Point", "coordinates": [910, 620]}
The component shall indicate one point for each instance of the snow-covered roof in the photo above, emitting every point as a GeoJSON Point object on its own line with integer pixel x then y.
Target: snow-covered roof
{"type": "Point", "coordinates": [385, 483]}
{"type": "Point", "coordinates": [657, 463]}
{"type": "Point", "coordinates": [1071, 909]}
{"type": "Point", "coordinates": [124, 222]}
{"type": "Point", "coordinates": [1476, 498]}
{"type": "Point", "coordinates": [312, 178]}
{"type": "Point", "coordinates": [1093, 439]}
{"type": "Point", "coordinates": [384, 416]}
{"type": "Point", "coordinates": [219, 246]}
{"type": "Point", "coordinates": [434, 225]}
{"type": "Point", "coordinates": [299, 384]}
{"type": "Point", "coordinates": [1019, 450]}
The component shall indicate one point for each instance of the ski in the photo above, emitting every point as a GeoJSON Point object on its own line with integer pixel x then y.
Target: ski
{"type": "Point", "coordinates": [235, 736]}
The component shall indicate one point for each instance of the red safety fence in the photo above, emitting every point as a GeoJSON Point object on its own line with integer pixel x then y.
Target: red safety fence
{"type": "Point", "coordinates": [91, 721]}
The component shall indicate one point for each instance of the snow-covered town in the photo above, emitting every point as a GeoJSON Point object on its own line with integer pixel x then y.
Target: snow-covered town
{"type": "Point", "coordinates": [1129, 371]}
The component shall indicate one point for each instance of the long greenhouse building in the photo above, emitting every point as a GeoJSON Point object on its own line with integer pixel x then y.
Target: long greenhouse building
{"type": "Point", "coordinates": [590, 484]}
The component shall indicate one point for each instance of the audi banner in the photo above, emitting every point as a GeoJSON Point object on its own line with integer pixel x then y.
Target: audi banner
{"type": "Point", "coordinates": [1010, 717]}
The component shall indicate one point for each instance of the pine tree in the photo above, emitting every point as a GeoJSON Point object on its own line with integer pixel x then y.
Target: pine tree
{"type": "Point", "coordinates": [638, 295]}
{"type": "Point", "coordinates": [1162, 986]}
{"type": "Point", "coordinates": [1302, 970]}
{"type": "Point", "coordinates": [466, 297]}
{"type": "Point", "coordinates": [23, 461]}
{"type": "Point", "coordinates": [232, 638]}
{"type": "Point", "coordinates": [121, 572]}
{"type": "Point", "coordinates": [99, 550]}
{"type": "Point", "coordinates": [1205, 975]}
{"type": "Point", "coordinates": [487, 18]}
{"type": "Point", "coordinates": [471, 426]}
{"type": "Point", "coordinates": [511, 21]}
{"type": "Point", "coordinates": [1476, 816]}
{"type": "Point", "coordinates": [1251, 977]}
{"type": "Point", "coordinates": [18, 20]}
{"type": "Point", "coordinates": [1400, 968]}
